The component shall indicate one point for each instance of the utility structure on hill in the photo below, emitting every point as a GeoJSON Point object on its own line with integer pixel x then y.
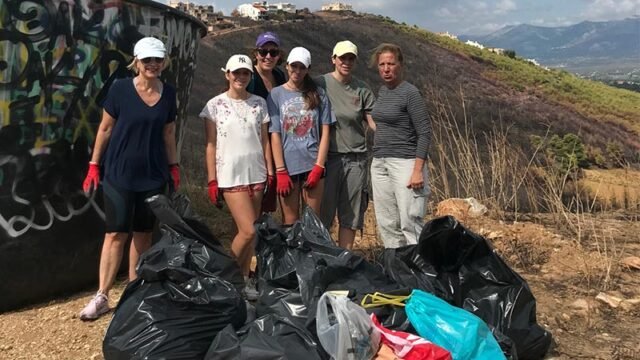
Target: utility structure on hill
{"type": "Point", "coordinates": [337, 6]}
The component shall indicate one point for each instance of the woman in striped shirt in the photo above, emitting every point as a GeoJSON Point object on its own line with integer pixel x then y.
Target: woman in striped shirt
{"type": "Point", "coordinates": [401, 145]}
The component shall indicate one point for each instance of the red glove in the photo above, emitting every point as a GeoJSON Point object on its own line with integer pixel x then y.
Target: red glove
{"type": "Point", "coordinates": [213, 193]}
{"type": "Point", "coordinates": [174, 170]}
{"type": "Point", "coordinates": [90, 182]}
{"type": "Point", "coordinates": [271, 182]}
{"type": "Point", "coordinates": [270, 196]}
{"type": "Point", "coordinates": [284, 183]}
{"type": "Point", "coordinates": [314, 176]}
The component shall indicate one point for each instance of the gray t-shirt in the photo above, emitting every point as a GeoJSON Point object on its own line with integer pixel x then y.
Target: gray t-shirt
{"type": "Point", "coordinates": [298, 127]}
{"type": "Point", "coordinates": [349, 102]}
{"type": "Point", "coordinates": [403, 125]}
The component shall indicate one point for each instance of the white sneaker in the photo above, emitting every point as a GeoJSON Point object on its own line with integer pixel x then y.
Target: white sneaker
{"type": "Point", "coordinates": [97, 307]}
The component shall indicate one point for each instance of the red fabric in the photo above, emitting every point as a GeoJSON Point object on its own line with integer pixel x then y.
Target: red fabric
{"type": "Point", "coordinates": [269, 201]}
{"type": "Point", "coordinates": [174, 170]}
{"type": "Point", "coordinates": [90, 182]}
{"type": "Point", "coordinates": [283, 183]}
{"type": "Point", "coordinates": [214, 193]}
{"type": "Point", "coordinates": [314, 176]}
{"type": "Point", "coordinates": [408, 346]}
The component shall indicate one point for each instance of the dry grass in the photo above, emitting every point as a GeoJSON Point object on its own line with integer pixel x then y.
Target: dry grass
{"type": "Point", "coordinates": [511, 184]}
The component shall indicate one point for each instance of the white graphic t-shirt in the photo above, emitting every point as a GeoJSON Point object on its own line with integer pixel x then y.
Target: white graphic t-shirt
{"type": "Point", "coordinates": [239, 153]}
{"type": "Point", "coordinates": [298, 127]}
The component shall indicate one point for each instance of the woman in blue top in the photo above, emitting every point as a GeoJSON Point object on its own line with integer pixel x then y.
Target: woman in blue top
{"type": "Point", "coordinates": [300, 118]}
{"type": "Point", "coordinates": [138, 125]}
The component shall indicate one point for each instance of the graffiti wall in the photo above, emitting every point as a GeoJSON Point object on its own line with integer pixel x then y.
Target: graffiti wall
{"type": "Point", "coordinates": [57, 60]}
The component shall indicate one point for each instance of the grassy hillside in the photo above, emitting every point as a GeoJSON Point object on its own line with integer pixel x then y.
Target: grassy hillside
{"type": "Point", "coordinates": [482, 95]}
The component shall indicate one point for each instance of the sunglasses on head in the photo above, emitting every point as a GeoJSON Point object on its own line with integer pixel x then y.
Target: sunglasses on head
{"type": "Point", "coordinates": [264, 52]}
{"type": "Point", "coordinates": [157, 60]}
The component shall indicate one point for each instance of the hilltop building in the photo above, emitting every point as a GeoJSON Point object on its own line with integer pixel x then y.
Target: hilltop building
{"type": "Point", "coordinates": [204, 13]}
{"type": "Point", "coordinates": [447, 34]}
{"type": "Point", "coordinates": [474, 43]}
{"type": "Point", "coordinates": [260, 10]}
{"type": "Point", "coordinates": [337, 6]}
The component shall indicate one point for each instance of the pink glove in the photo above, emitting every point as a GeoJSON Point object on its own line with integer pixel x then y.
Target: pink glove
{"type": "Point", "coordinates": [90, 182]}
{"type": "Point", "coordinates": [174, 170]}
{"type": "Point", "coordinates": [213, 193]}
{"type": "Point", "coordinates": [284, 183]}
{"type": "Point", "coordinates": [314, 176]}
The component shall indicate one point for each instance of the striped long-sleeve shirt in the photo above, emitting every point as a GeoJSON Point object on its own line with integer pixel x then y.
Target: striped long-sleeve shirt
{"type": "Point", "coordinates": [403, 126]}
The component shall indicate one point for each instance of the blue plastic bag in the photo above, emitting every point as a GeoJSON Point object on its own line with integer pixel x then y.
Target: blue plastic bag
{"type": "Point", "coordinates": [465, 335]}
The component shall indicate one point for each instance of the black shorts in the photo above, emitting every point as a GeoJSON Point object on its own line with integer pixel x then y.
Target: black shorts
{"type": "Point", "coordinates": [124, 208]}
{"type": "Point", "coordinates": [302, 177]}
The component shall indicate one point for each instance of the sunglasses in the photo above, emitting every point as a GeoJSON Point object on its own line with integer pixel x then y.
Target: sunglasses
{"type": "Point", "coordinates": [264, 52]}
{"type": "Point", "coordinates": [157, 60]}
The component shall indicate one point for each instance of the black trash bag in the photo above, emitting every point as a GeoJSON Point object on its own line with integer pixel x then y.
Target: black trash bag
{"type": "Point", "coordinates": [281, 302]}
{"type": "Point", "coordinates": [180, 300]}
{"type": "Point", "coordinates": [270, 337]}
{"type": "Point", "coordinates": [275, 263]}
{"type": "Point", "coordinates": [475, 278]}
{"type": "Point", "coordinates": [407, 268]}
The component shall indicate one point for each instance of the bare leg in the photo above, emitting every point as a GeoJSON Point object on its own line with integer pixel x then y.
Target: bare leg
{"type": "Point", "coordinates": [244, 210]}
{"type": "Point", "coordinates": [141, 242]}
{"type": "Point", "coordinates": [290, 205]}
{"type": "Point", "coordinates": [313, 197]}
{"type": "Point", "coordinates": [346, 236]}
{"type": "Point", "coordinates": [110, 259]}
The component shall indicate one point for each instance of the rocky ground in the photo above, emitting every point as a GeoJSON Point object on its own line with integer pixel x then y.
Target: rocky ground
{"type": "Point", "coordinates": [585, 294]}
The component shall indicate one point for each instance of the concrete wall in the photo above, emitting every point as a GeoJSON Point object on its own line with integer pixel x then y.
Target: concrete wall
{"type": "Point", "coordinates": [57, 60]}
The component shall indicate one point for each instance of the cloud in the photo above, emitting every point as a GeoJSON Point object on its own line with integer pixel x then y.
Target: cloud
{"type": "Point", "coordinates": [505, 6]}
{"type": "Point", "coordinates": [611, 9]}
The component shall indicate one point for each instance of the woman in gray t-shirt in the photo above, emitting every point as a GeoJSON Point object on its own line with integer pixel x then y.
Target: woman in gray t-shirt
{"type": "Point", "coordinates": [300, 117]}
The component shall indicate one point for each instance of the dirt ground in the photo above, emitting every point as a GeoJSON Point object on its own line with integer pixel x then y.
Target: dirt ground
{"type": "Point", "coordinates": [565, 274]}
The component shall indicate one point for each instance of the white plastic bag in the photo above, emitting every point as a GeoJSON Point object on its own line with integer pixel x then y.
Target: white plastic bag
{"type": "Point", "coordinates": [345, 330]}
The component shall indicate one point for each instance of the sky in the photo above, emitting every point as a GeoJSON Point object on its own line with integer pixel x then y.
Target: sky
{"type": "Point", "coordinates": [475, 17]}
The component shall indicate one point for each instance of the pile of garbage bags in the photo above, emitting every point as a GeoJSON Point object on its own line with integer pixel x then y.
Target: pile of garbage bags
{"type": "Point", "coordinates": [448, 297]}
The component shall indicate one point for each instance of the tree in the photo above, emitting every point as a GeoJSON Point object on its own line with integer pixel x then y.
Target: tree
{"type": "Point", "coordinates": [235, 13]}
{"type": "Point", "coordinates": [510, 53]}
{"type": "Point", "coordinates": [615, 153]}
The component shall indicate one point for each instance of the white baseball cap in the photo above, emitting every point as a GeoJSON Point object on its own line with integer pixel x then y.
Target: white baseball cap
{"type": "Point", "coordinates": [236, 62]}
{"type": "Point", "coordinates": [301, 55]}
{"type": "Point", "coordinates": [345, 47]}
{"type": "Point", "coordinates": [149, 47]}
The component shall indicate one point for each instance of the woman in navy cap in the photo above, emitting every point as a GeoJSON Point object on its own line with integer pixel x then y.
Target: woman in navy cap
{"type": "Point", "coordinates": [266, 75]}
{"type": "Point", "coordinates": [138, 125]}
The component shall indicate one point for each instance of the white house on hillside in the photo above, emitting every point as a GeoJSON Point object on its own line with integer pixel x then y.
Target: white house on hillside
{"type": "Point", "coordinates": [337, 6]}
{"type": "Point", "coordinates": [203, 12]}
{"type": "Point", "coordinates": [254, 11]}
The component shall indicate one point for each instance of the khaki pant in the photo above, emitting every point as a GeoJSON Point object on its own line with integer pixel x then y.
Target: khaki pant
{"type": "Point", "coordinates": [399, 210]}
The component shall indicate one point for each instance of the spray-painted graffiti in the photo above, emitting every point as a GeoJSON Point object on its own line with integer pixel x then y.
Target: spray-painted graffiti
{"type": "Point", "coordinates": [57, 61]}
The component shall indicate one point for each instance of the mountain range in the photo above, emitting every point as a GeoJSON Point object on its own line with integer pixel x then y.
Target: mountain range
{"type": "Point", "coordinates": [608, 43]}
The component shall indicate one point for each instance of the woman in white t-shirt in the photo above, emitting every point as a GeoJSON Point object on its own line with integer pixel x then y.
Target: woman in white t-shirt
{"type": "Point", "coordinates": [237, 143]}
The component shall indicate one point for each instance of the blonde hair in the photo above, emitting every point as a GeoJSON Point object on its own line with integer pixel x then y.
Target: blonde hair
{"type": "Point", "coordinates": [133, 66]}
{"type": "Point", "coordinates": [383, 48]}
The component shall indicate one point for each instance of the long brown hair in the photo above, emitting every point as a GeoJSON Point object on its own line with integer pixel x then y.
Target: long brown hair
{"type": "Point", "coordinates": [310, 92]}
